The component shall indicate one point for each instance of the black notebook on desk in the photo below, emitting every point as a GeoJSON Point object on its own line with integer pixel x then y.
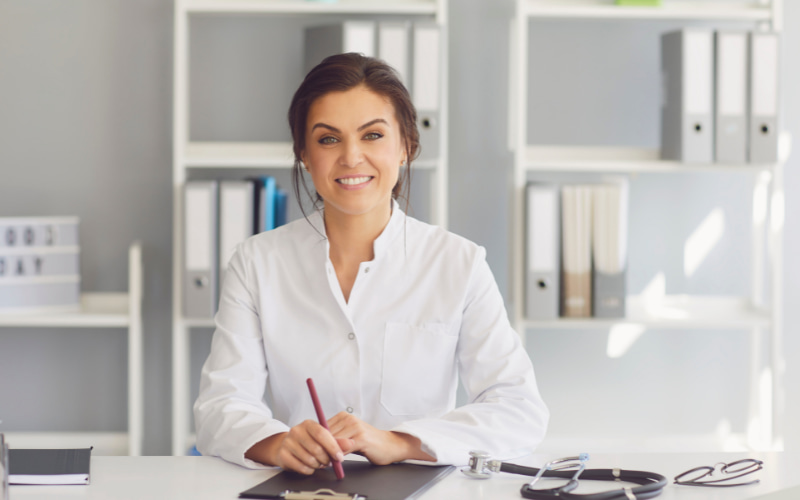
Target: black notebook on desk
{"type": "Point", "coordinates": [376, 482]}
{"type": "Point", "coordinates": [49, 466]}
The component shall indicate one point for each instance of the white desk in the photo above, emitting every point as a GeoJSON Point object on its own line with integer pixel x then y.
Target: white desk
{"type": "Point", "coordinates": [200, 478]}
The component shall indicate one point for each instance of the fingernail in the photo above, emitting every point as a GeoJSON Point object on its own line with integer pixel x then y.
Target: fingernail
{"type": "Point", "coordinates": [340, 456]}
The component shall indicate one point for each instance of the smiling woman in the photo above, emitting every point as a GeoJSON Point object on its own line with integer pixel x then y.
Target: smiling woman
{"type": "Point", "coordinates": [383, 311]}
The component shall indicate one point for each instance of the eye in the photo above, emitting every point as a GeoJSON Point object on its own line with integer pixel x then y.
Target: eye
{"type": "Point", "coordinates": [327, 140]}
{"type": "Point", "coordinates": [373, 136]}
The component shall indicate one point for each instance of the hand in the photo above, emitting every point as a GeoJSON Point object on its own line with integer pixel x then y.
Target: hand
{"type": "Point", "coordinates": [306, 447]}
{"type": "Point", "coordinates": [379, 447]}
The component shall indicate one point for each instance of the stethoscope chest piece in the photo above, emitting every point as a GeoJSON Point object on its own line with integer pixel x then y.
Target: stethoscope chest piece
{"type": "Point", "coordinates": [480, 465]}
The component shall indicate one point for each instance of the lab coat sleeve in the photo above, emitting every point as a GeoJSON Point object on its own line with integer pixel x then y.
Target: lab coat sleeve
{"type": "Point", "coordinates": [505, 414]}
{"type": "Point", "coordinates": [230, 413]}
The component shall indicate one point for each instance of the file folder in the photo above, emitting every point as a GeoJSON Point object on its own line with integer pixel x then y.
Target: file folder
{"type": "Point", "coordinates": [730, 104]}
{"type": "Point", "coordinates": [200, 249]}
{"type": "Point", "coordinates": [393, 47]}
{"type": "Point", "coordinates": [347, 36]}
{"type": "Point", "coordinates": [687, 81]}
{"type": "Point", "coordinates": [543, 247]}
{"type": "Point", "coordinates": [576, 241]}
{"type": "Point", "coordinates": [266, 203]}
{"type": "Point", "coordinates": [764, 68]}
{"type": "Point", "coordinates": [609, 249]}
{"type": "Point", "coordinates": [425, 87]}
{"type": "Point", "coordinates": [236, 211]}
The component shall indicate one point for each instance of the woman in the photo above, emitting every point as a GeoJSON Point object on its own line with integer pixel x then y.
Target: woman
{"type": "Point", "coordinates": [383, 311]}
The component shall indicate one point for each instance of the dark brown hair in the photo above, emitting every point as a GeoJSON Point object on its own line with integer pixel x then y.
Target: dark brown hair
{"type": "Point", "coordinates": [342, 72]}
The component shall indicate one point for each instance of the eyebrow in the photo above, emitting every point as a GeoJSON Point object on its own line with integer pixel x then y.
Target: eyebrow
{"type": "Point", "coordinates": [362, 127]}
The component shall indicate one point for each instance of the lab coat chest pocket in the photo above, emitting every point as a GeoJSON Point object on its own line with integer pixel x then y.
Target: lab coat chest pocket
{"type": "Point", "coordinates": [419, 369]}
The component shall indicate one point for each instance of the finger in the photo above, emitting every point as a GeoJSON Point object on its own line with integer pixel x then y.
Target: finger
{"type": "Point", "coordinates": [330, 448]}
{"type": "Point", "coordinates": [347, 445]}
{"type": "Point", "coordinates": [313, 444]}
{"type": "Point", "coordinates": [291, 462]}
{"type": "Point", "coordinates": [302, 444]}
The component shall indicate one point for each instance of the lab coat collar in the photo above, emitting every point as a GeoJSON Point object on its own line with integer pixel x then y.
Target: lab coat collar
{"type": "Point", "coordinates": [383, 242]}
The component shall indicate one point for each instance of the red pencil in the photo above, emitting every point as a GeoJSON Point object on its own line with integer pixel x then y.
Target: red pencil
{"type": "Point", "coordinates": [337, 465]}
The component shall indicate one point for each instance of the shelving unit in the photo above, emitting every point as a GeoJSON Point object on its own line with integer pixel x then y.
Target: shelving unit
{"type": "Point", "coordinates": [98, 310]}
{"type": "Point", "coordinates": [685, 312]}
{"type": "Point", "coordinates": [189, 156]}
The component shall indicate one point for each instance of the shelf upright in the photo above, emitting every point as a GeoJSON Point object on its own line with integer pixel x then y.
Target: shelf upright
{"type": "Point", "coordinates": [765, 417]}
{"type": "Point", "coordinates": [188, 155]}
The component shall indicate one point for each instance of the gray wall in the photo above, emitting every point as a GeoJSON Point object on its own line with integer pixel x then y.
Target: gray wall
{"type": "Point", "coordinates": [85, 129]}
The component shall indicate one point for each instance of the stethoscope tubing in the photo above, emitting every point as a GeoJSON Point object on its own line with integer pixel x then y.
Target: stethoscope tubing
{"type": "Point", "coordinates": [650, 483]}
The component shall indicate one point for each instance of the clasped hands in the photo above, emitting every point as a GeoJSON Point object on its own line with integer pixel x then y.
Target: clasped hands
{"type": "Point", "coordinates": [309, 446]}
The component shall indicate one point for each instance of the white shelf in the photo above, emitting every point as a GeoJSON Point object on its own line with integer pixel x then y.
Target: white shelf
{"type": "Point", "coordinates": [617, 159]}
{"type": "Point", "coordinates": [674, 312]}
{"type": "Point", "coordinates": [220, 155]}
{"type": "Point", "coordinates": [96, 310]}
{"type": "Point", "coordinates": [406, 7]}
{"type": "Point", "coordinates": [103, 443]}
{"type": "Point", "coordinates": [696, 10]}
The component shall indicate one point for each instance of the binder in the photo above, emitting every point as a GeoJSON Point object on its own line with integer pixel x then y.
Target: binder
{"type": "Point", "coordinates": [49, 466]}
{"type": "Point", "coordinates": [329, 39]}
{"type": "Point", "coordinates": [281, 207]}
{"type": "Point", "coordinates": [763, 111]}
{"type": "Point", "coordinates": [576, 241]}
{"type": "Point", "coordinates": [397, 481]}
{"type": "Point", "coordinates": [543, 247]}
{"type": "Point", "coordinates": [393, 47]}
{"type": "Point", "coordinates": [686, 107]}
{"type": "Point", "coordinates": [236, 212]}
{"type": "Point", "coordinates": [268, 192]}
{"type": "Point", "coordinates": [425, 86]}
{"type": "Point", "coordinates": [609, 249]}
{"type": "Point", "coordinates": [730, 103]}
{"type": "Point", "coordinates": [200, 248]}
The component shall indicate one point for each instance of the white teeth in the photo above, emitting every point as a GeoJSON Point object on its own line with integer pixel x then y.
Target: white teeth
{"type": "Point", "coordinates": [352, 181]}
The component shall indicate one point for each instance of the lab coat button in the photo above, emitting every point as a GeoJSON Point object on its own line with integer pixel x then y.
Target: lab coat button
{"type": "Point", "coordinates": [366, 270]}
{"type": "Point", "coordinates": [351, 335]}
{"type": "Point", "coordinates": [350, 409]}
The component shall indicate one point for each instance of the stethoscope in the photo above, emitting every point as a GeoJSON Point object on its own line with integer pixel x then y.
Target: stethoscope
{"type": "Point", "coordinates": [650, 484]}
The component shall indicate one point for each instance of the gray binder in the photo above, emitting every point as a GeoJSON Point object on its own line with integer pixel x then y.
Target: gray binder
{"type": "Point", "coordinates": [543, 249]}
{"type": "Point", "coordinates": [687, 80]}
{"type": "Point", "coordinates": [764, 69]}
{"type": "Point", "coordinates": [347, 36]}
{"type": "Point", "coordinates": [730, 102]}
{"type": "Point", "coordinates": [609, 248]}
{"type": "Point", "coordinates": [425, 87]}
{"type": "Point", "coordinates": [200, 249]}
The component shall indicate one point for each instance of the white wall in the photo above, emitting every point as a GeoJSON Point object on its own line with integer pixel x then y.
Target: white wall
{"type": "Point", "coordinates": [85, 129]}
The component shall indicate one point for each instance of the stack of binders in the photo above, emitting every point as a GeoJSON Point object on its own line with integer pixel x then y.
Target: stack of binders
{"type": "Point", "coordinates": [720, 96]}
{"type": "Point", "coordinates": [39, 264]}
{"type": "Point", "coordinates": [576, 255]}
{"type": "Point", "coordinates": [412, 49]}
{"type": "Point", "coordinates": [218, 215]}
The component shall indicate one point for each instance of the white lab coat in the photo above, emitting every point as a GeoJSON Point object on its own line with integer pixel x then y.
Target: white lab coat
{"type": "Point", "coordinates": [423, 312]}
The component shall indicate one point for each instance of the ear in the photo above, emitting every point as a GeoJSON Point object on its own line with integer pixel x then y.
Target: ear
{"type": "Point", "coordinates": [303, 159]}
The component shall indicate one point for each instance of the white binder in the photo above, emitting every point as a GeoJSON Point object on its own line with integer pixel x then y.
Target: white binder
{"type": "Point", "coordinates": [236, 213]}
{"type": "Point", "coordinates": [576, 238]}
{"type": "Point", "coordinates": [393, 47]}
{"type": "Point", "coordinates": [200, 248]}
{"type": "Point", "coordinates": [686, 107]}
{"type": "Point", "coordinates": [609, 249]}
{"type": "Point", "coordinates": [730, 103]}
{"type": "Point", "coordinates": [425, 86]}
{"type": "Point", "coordinates": [764, 68]}
{"type": "Point", "coordinates": [329, 39]}
{"type": "Point", "coordinates": [543, 247]}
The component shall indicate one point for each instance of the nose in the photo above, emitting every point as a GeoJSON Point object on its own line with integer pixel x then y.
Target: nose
{"type": "Point", "coordinates": [352, 154]}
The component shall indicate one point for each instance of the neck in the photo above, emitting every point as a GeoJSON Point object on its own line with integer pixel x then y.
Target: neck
{"type": "Point", "coordinates": [351, 237]}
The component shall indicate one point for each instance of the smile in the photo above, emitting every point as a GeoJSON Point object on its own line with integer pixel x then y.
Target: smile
{"type": "Point", "coordinates": [353, 181]}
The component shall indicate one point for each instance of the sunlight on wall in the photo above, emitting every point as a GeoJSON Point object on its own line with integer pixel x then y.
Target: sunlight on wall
{"type": "Point", "coordinates": [760, 198]}
{"type": "Point", "coordinates": [621, 337]}
{"type": "Point", "coordinates": [702, 241]}
{"type": "Point", "coordinates": [759, 429]}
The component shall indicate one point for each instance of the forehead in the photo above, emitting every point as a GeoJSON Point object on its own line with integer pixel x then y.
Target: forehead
{"type": "Point", "coordinates": [354, 106]}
